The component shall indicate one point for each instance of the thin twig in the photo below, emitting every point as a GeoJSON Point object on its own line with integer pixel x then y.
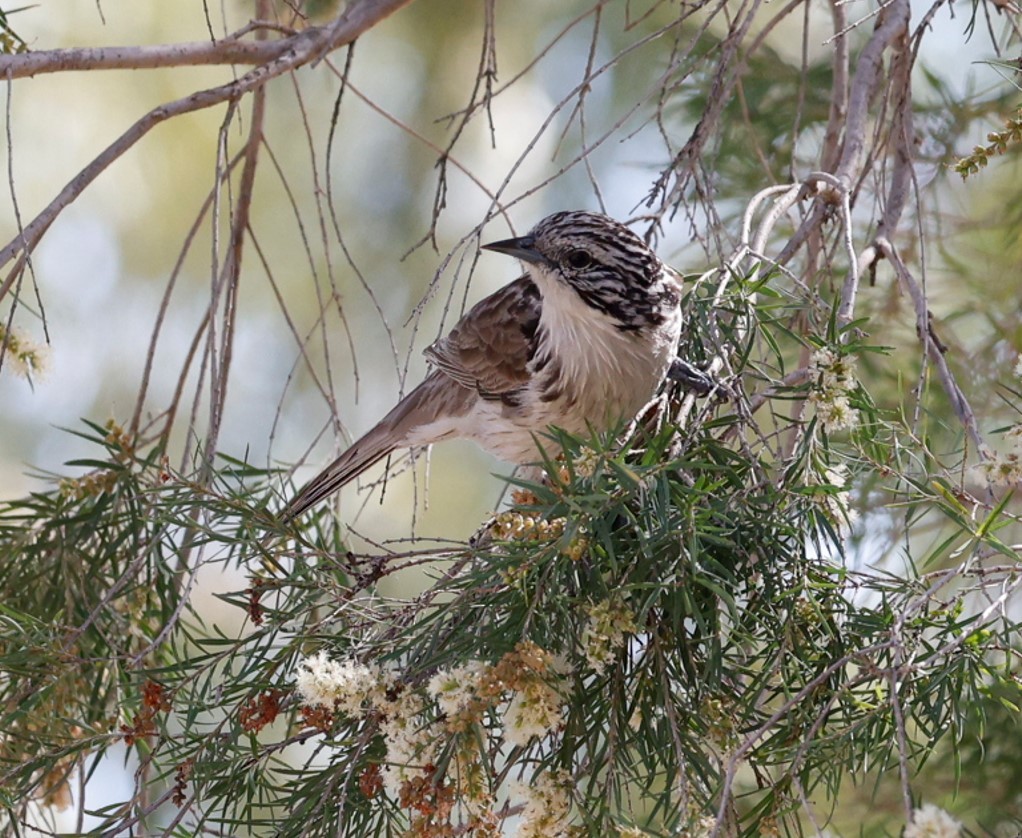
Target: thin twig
{"type": "Point", "coordinates": [924, 328]}
{"type": "Point", "coordinates": [303, 49]}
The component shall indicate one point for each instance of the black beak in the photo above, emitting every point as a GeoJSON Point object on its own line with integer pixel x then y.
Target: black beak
{"type": "Point", "coordinates": [523, 248]}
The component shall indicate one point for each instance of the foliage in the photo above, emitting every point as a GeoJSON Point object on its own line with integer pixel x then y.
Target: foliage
{"type": "Point", "coordinates": [10, 41]}
{"type": "Point", "coordinates": [788, 607]}
{"type": "Point", "coordinates": [998, 142]}
{"type": "Point", "coordinates": [666, 636]}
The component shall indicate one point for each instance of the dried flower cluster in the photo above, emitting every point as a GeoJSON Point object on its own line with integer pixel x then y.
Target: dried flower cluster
{"type": "Point", "coordinates": [26, 358]}
{"type": "Point", "coordinates": [536, 679]}
{"type": "Point", "coordinates": [260, 711]}
{"type": "Point", "coordinates": [610, 625]}
{"type": "Point", "coordinates": [55, 784]}
{"type": "Point", "coordinates": [929, 821]}
{"type": "Point", "coordinates": [417, 725]}
{"type": "Point", "coordinates": [155, 699]}
{"type": "Point", "coordinates": [182, 776]}
{"type": "Point", "coordinates": [835, 380]}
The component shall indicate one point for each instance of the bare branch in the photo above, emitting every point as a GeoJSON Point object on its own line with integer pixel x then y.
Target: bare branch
{"type": "Point", "coordinates": [228, 51]}
{"type": "Point", "coordinates": [934, 350]}
{"type": "Point", "coordinates": [303, 49]}
{"type": "Point", "coordinates": [892, 27]}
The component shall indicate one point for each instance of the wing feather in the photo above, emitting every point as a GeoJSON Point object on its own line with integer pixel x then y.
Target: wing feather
{"type": "Point", "coordinates": [487, 353]}
{"type": "Point", "coordinates": [489, 349]}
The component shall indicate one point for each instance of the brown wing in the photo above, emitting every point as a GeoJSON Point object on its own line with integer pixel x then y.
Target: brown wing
{"type": "Point", "coordinates": [490, 347]}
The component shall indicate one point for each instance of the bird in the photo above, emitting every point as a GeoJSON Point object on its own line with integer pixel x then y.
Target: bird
{"type": "Point", "coordinates": [581, 342]}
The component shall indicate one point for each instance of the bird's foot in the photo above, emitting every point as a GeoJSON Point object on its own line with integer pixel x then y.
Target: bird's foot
{"type": "Point", "coordinates": [699, 381]}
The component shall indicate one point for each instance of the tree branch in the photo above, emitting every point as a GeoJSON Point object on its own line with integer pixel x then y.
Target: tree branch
{"type": "Point", "coordinates": [290, 53]}
{"type": "Point", "coordinates": [231, 50]}
{"type": "Point", "coordinates": [316, 41]}
{"type": "Point", "coordinates": [891, 25]}
{"type": "Point", "coordinates": [959, 404]}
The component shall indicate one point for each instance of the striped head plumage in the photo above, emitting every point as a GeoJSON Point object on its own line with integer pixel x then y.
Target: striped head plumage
{"type": "Point", "coordinates": [606, 264]}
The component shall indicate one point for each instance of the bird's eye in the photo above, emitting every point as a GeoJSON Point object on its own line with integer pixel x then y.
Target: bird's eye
{"type": "Point", "coordinates": [578, 259]}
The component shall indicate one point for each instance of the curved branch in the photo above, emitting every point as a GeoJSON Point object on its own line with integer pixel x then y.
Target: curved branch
{"type": "Point", "coordinates": [891, 26]}
{"type": "Point", "coordinates": [934, 351]}
{"type": "Point", "coordinates": [290, 53]}
{"type": "Point", "coordinates": [318, 40]}
{"type": "Point", "coordinates": [232, 50]}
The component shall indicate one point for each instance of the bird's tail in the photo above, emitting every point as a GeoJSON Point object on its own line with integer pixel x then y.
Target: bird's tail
{"type": "Point", "coordinates": [416, 409]}
{"type": "Point", "coordinates": [364, 453]}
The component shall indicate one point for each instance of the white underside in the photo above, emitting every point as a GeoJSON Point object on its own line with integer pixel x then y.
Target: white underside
{"type": "Point", "coordinates": [607, 376]}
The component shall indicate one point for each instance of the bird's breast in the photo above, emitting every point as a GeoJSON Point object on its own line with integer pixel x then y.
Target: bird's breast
{"type": "Point", "coordinates": [599, 376]}
{"type": "Point", "coordinates": [586, 373]}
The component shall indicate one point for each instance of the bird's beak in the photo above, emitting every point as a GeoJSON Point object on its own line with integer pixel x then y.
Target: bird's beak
{"type": "Point", "coordinates": [523, 248]}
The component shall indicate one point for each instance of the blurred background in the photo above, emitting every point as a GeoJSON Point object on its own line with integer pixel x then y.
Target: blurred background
{"type": "Point", "coordinates": [346, 279]}
{"type": "Point", "coordinates": [353, 299]}
{"type": "Point", "coordinates": [366, 298]}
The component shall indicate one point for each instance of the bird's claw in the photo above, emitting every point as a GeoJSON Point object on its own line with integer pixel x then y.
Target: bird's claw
{"type": "Point", "coordinates": [699, 381]}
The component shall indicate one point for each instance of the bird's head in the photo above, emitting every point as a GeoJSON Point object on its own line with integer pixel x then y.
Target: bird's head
{"type": "Point", "coordinates": [604, 262]}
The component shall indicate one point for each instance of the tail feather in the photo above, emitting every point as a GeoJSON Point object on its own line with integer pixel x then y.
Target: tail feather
{"type": "Point", "coordinates": [397, 429]}
{"type": "Point", "coordinates": [363, 454]}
